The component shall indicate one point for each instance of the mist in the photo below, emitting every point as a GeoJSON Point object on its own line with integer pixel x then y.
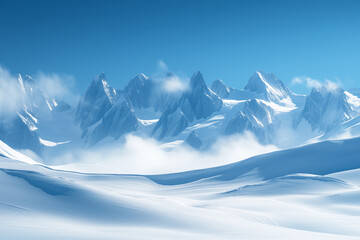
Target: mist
{"type": "Point", "coordinates": [140, 155]}
{"type": "Point", "coordinates": [11, 95]}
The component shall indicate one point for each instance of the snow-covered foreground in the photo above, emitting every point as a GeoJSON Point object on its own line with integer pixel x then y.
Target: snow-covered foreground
{"type": "Point", "coordinates": [310, 192]}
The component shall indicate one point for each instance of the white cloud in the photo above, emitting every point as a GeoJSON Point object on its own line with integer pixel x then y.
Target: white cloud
{"type": "Point", "coordinates": [147, 156]}
{"type": "Point", "coordinates": [331, 86]}
{"type": "Point", "coordinates": [56, 85]}
{"type": "Point", "coordinates": [174, 84]}
{"type": "Point", "coordinates": [314, 83]}
{"type": "Point", "coordinates": [11, 95]}
{"type": "Point", "coordinates": [309, 82]}
{"type": "Point", "coordinates": [162, 66]}
{"type": "Point", "coordinates": [169, 81]}
{"type": "Point", "coordinates": [296, 80]}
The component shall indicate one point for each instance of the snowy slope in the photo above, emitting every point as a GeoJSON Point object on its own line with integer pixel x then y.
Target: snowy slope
{"type": "Point", "coordinates": [8, 152]}
{"type": "Point", "coordinates": [309, 192]}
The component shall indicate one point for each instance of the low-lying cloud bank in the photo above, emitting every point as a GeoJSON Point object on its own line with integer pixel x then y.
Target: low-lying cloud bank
{"type": "Point", "coordinates": [146, 156]}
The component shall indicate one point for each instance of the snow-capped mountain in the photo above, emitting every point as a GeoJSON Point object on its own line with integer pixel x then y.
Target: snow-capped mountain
{"type": "Point", "coordinates": [268, 86]}
{"type": "Point", "coordinates": [139, 91]}
{"type": "Point", "coordinates": [120, 119]}
{"type": "Point", "coordinates": [220, 88]}
{"type": "Point", "coordinates": [255, 117]}
{"type": "Point", "coordinates": [22, 129]}
{"type": "Point", "coordinates": [327, 107]}
{"type": "Point", "coordinates": [197, 115]}
{"type": "Point", "coordinates": [98, 99]}
{"type": "Point", "coordinates": [197, 103]}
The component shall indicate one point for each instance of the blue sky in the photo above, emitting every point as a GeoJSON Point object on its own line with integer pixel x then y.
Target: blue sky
{"type": "Point", "coordinates": [223, 39]}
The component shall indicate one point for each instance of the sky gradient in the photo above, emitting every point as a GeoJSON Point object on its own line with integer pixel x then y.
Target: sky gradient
{"type": "Point", "coordinates": [223, 39]}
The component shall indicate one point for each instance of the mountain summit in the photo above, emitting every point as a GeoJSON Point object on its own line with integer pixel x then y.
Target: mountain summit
{"type": "Point", "coordinates": [98, 99]}
{"type": "Point", "coordinates": [269, 86]}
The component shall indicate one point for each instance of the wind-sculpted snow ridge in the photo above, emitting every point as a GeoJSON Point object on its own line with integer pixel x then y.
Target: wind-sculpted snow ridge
{"type": "Point", "coordinates": [146, 107]}
{"type": "Point", "coordinates": [308, 192]}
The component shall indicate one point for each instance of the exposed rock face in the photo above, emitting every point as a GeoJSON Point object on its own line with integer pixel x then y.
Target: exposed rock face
{"type": "Point", "coordinates": [220, 88]}
{"type": "Point", "coordinates": [326, 107]}
{"type": "Point", "coordinates": [120, 119]}
{"type": "Point", "coordinates": [98, 99]}
{"type": "Point", "coordinates": [257, 118]}
{"type": "Point", "coordinates": [197, 103]}
{"type": "Point", "coordinates": [193, 140]}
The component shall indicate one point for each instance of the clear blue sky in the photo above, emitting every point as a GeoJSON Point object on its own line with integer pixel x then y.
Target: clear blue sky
{"type": "Point", "coordinates": [223, 39]}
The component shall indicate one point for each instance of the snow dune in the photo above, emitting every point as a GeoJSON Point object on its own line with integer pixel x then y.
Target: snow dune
{"type": "Point", "coordinates": [310, 192]}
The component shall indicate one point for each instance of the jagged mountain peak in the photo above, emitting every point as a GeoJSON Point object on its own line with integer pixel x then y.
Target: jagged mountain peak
{"type": "Point", "coordinates": [327, 106]}
{"type": "Point", "coordinates": [268, 85]}
{"type": "Point", "coordinates": [197, 81]}
{"type": "Point", "coordinates": [220, 88]}
{"type": "Point", "coordinates": [97, 100]}
{"type": "Point", "coordinates": [100, 76]}
{"type": "Point", "coordinates": [218, 82]}
{"type": "Point", "coordinates": [100, 85]}
{"type": "Point", "coordinates": [34, 97]}
{"type": "Point", "coordinates": [137, 81]}
{"type": "Point", "coordinates": [203, 100]}
{"type": "Point", "coordinates": [139, 91]}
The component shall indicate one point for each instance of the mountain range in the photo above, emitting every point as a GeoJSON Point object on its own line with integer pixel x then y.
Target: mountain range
{"type": "Point", "coordinates": [196, 116]}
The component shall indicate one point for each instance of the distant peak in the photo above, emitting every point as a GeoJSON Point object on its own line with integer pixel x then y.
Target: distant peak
{"type": "Point", "coordinates": [142, 76]}
{"type": "Point", "coordinates": [100, 80]}
{"type": "Point", "coordinates": [269, 85]}
{"type": "Point", "coordinates": [218, 81]}
{"type": "Point", "coordinates": [220, 88]}
{"type": "Point", "coordinates": [197, 73]}
{"type": "Point", "coordinates": [259, 72]}
{"type": "Point", "coordinates": [101, 76]}
{"type": "Point", "coordinates": [197, 80]}
{"type": "Point", "coordinates": [99, 83]}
